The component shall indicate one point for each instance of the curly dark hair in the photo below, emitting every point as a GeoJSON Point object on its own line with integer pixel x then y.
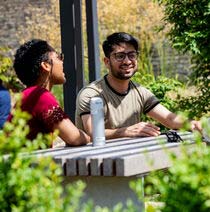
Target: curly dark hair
{"type": "Point", "coordinates": [28, 60]}
{"type": "Point", "coordinates": [117, 38]}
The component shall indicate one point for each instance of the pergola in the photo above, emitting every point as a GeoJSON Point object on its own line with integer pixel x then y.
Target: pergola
{"type": "Point", "coordinates": [72, 47]}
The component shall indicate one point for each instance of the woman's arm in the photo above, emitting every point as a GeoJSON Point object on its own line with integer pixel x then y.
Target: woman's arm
{"type": "Point", "coordinates": [70, 134]}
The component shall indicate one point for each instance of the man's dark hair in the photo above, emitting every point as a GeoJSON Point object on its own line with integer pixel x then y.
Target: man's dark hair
{"type": "Point", "coordinates": [28, 60]}
{"type": "Point", "coordinates": [117, 38]}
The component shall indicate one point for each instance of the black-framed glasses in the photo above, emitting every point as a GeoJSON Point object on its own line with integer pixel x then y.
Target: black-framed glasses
{"type": "Point", "coordinates": [120, 56]}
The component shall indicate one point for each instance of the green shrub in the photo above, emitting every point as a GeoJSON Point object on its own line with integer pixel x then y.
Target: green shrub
{"type": "Point", "coordinates": [160, 86]}
{"type": "Point", "coordinates": [31, 183]}
{"type": "Point", "coordinates": [186, 185]}
{"type": "Point", "coordinates": [196, 106]}
{"type": "Point", "coordinates": [7, 75]}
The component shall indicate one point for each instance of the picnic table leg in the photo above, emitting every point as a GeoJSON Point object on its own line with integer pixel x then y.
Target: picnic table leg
{"type": "Point", "coordinates": [108, 191]}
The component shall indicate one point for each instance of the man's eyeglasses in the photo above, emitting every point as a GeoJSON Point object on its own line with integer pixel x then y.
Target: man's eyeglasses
{"type": "Point", "coordinates": [120, 56]}
{"type": "Point", "coordinates": [60, 56]}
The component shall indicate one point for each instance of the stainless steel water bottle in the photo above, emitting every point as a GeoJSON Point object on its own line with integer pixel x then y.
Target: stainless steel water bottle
{"type": "Point", "coordinates": [97, 118]}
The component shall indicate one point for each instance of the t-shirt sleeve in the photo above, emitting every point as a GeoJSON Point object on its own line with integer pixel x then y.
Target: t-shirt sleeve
{"type": "Point", "coordinates": [49, 111]}
{"type": "Point", "coordinates": [150, 100]}
{"type": "Point", "coordinates": [83, 100]}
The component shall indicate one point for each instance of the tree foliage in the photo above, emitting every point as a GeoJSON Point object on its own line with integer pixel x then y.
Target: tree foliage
{"type": "Point", "coordinates": [189, 21]}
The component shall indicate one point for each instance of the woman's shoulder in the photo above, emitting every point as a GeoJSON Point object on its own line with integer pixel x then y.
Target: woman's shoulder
{"type": "Point", "coordinates": [37, 94]}
{"type": "Point", "coordinates": [36, 91]}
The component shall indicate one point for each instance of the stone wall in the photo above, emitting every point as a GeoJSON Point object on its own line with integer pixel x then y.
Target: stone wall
{"type": "Point", "coordinates": [18, 18]}
{"type": "Point", "coordinates": [169, 62]}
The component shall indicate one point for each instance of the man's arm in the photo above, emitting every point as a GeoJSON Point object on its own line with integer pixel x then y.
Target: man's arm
{"type": "Point", "coordinates": [171, 120]}
{"type": "Point", "coordinates": [136, 130]}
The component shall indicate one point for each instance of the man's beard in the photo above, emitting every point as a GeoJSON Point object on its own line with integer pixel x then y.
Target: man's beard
{"type": "Point", "coordinates": [120, 75]}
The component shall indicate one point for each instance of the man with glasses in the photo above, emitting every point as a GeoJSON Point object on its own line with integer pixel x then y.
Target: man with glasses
{"type": "Point", "coordinates": [124, 101]}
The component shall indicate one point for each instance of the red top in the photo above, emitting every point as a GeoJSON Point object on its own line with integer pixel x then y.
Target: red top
{"type": "Point", "coordinates": [44, 108]}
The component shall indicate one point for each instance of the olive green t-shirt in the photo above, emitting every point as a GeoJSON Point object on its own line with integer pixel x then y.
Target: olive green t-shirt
{"type": "Point", "coordinates": [120, 110]}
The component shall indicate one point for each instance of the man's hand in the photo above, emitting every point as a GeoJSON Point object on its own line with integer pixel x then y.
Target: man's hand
{"type": "Point", "coordinates": [136, 130]}
{"type": "Point", "coordinates": [196, 125]}
{"type": "Point", "coordinates": [142, 129]}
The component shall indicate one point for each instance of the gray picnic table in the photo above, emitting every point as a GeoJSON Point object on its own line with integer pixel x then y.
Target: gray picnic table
{"type": "Point", "coordinates": [107, 170]}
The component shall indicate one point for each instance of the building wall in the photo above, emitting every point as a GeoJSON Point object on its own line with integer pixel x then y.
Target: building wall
{"type": "Point", "coordinates": [169, 62]}
{"type": "Point", "coordinates": [18, 17]}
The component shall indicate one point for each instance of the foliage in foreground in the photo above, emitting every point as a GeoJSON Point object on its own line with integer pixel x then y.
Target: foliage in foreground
{"type": "Point", "coordinates": [186, 185]}
{"type": "Point", "coordinates": [31, 183]}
